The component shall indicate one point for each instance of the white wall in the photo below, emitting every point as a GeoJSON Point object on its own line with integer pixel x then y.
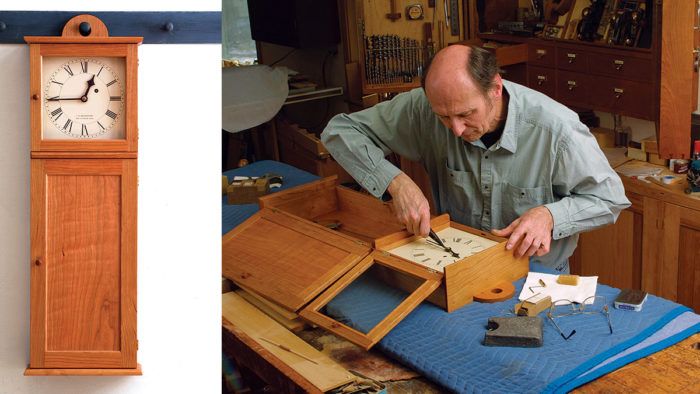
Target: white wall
{"type": "Point", "coordinates": [179, 215]}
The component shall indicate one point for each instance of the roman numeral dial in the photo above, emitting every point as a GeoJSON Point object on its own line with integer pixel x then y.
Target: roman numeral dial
{"type": "Point", "coordinates": [83, 98]}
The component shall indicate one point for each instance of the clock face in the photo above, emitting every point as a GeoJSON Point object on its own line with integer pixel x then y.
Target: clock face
{"type": "Point", "coordinates": [427, 253]}
{"type": "Point", "coordinates": [83, 98]}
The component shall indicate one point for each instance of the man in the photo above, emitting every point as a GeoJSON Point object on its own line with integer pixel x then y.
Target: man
{"type": "Point", "coordinates": [500, 156]}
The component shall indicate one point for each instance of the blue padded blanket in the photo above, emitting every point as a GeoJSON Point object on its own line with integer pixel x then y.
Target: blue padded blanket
{"type": "Point", "coordinates": [233, 215]}
{"type": "Point", "coordinates": [448, 349]}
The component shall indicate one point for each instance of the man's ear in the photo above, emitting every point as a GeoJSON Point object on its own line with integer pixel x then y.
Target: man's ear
{"type": "Point", "coordinates": [497, 89]}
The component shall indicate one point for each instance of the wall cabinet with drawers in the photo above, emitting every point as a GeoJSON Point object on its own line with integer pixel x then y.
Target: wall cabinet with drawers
{"type": "Point", "coordinates": [659, 83]}
{"type": "Point", "coordinates": [617, 80]}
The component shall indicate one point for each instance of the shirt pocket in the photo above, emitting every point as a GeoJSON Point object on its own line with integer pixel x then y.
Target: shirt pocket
{"type": "Point", "coordinates": [461, 196]}
{"type": "Point", "coordinates": [517, 200]}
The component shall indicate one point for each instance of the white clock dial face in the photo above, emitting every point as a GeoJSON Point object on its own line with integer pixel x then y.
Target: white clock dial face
{"type": "Point", "coordinates": [426, 252]}
{"type": "Point", "coordinates": [83, 98]}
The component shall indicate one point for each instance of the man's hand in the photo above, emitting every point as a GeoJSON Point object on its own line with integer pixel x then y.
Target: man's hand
{"type": "Point", "coordinates": [410, 205]}
{"type": "Point", "coordinates": [533, 231]}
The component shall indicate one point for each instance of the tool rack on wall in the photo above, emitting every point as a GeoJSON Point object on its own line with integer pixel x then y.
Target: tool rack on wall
{"type": "Point", "coordinates": [387, 43]}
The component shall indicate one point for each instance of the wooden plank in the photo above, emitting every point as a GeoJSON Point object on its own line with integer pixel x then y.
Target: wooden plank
{"type": "Point", "coordinates": [293, 324]}
{"type": "Point", "coordinates": [689, 259]}
{"type": "Point", "coordinates": [431, 281]}
{"type": "Point", "coordinates": [287, 259]}
{"type": "Point", "coordinates": [324, 374]}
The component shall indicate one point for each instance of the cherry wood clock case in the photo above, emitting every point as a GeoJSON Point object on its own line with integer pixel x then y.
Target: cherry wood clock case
{"type": "Point", "coordinates": [83, 125]}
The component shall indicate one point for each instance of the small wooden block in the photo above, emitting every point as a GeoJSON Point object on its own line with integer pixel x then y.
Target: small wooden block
{"type": "Point", "coordinates": [224, 184]}
{"type": "Point", "coordinates": [533, 306]}
{"type": "Point", "coordinates": [500, 292]}
{"type": "Point", "coordinates": [569, 280]}
{"type": "Point", "coordinates": [247, 191]}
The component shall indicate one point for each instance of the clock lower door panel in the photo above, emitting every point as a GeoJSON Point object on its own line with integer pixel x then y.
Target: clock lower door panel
{"type": "Point", "coordinates": [83, 263]}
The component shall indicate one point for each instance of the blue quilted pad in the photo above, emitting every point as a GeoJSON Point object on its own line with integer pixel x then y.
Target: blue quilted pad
{"type": "Point", "coordinates": [233, 215]}
{"type": "Point", "coordinates": [447, 348]}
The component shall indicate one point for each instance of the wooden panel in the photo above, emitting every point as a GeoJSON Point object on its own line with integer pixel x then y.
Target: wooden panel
{"type": "Point", "coordinates": [676, 79]}
{"type": "Point", "coordinates": [84, 371]}
{"type": "Point", "coordinates": [322, 373]}
{"type": "Point", "coordinates": [83, 257]}
{"type": "Point", "coordinates": [613, 253]}
{"type": "Point", "coordinates": [277, 313]}
{"type": "Point", "coordinates": [286, 259]}
{"type": "Point", "coordinates": [83, 262]}
{"type": "Point", "coordinates": [430, 281]}
{"type": "Point", "coordinates": [660, 248]}
{"type": "Point", "coordinates": [689, 259]}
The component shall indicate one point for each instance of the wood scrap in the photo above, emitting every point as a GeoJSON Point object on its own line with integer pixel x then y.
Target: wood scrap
{"type": "Point", "coordinates": [325, 374]}
{"type": "Point", "coordinates": [289, 320]}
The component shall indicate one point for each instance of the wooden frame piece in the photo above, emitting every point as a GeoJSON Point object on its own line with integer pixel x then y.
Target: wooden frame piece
{"type": "Point", "coordinates": [286, 259]}
{"type": "Point", "coordinates": [472, 275]}
{"type": "Point", "coordinates": [431, 281]}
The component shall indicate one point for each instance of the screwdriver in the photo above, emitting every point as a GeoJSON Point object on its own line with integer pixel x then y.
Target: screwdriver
{"type": "Point", "coordinates": [437, 239]}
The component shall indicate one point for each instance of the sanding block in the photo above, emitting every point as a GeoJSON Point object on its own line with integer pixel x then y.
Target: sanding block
{"type": "Point", "coordinates": [570, 280]}
{"type": "Point", "coordinates": [520, 331]}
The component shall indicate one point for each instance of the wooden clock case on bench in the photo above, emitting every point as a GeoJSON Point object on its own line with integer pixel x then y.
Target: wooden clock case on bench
{"type": "Point", "coordinates": [286, 256]}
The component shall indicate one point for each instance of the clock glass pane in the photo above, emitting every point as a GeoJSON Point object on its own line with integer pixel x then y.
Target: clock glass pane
{"type": "Point", "coordinates": [83, 97]}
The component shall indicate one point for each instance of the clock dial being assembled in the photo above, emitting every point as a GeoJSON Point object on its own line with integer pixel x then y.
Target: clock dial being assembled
{"type": "Point", "coordinates": [427, 253]}
{"type": "Point", "coordinates": [83, 98]}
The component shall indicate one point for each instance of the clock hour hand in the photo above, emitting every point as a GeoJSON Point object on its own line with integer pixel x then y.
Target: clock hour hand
{"type": "Point", "coordinates": [437, 239]}
{"type": "Point", "coordinates": [90, 83]}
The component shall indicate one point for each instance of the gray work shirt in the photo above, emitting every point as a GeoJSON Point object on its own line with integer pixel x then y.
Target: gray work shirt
{"type": "Point", "coordinates": [545, 156]}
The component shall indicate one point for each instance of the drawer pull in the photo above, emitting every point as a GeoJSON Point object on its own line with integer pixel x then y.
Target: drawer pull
{"type": "Point", "coordinates": [618, 92]}
{"type": "Point", "coordinates": [572, 85]}
{"type": "Point", "coordinates": [541, 53]}
{"type": "Point", "coordinates": [571, 56]}
{"type": "Point", "coordinates": [541, 79]}
{"type": "Point", "coordinates": [619, 64]}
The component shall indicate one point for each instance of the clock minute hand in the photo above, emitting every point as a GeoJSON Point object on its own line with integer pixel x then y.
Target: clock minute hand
{"type": "Point", "coordinates": [437, 239]}
{"type": "Point", "coordinates": [64, 98]}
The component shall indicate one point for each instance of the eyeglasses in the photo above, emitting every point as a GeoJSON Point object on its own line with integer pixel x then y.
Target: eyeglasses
{"type": "Point", "coordinates": [591, 305]}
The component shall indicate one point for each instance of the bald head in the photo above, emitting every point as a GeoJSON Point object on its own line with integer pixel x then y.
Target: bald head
{"type": "Point", "coordinates": [464, 65]}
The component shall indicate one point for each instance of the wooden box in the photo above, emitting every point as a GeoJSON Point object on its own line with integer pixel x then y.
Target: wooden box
{"type": "Point", "coordinates": [288, 254]}
{"type": "Point", "coordinates": [352, 213]}
{"type": "Point", "coordinates": [247, 191]}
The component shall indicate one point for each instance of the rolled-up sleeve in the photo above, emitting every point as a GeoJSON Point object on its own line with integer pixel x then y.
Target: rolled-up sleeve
{"type": "Point", "coordinates": [360, 141]}
{"type": "Point", "coordinates": [592, 194]}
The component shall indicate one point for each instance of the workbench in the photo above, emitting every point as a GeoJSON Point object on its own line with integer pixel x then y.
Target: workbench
{"type": "Point", "coordinates": [675, 369]}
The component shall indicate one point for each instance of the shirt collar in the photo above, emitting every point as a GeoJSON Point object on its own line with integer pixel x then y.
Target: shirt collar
{"type": "Point", "coordinates": [508, 140]}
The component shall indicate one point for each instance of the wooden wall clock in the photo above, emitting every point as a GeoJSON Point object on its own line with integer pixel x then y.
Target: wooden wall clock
{"type": "Point", "coordinates": [83, 125]}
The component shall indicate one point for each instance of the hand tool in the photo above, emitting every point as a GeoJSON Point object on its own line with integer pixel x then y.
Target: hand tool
{"type": "Point", "coordinates": [437, 239]}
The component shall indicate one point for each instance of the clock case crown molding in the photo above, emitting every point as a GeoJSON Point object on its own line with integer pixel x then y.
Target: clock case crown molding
{"type": "Point", "coordinates": [73, 44]}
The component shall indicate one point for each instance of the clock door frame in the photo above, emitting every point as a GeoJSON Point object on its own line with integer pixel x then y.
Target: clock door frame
{"type": "Point", "coordinates": [83, 283]}
{"type": "Point", "coordinates": [429, 282]}
{"type": "Point", "coordinates": [122, 47]}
